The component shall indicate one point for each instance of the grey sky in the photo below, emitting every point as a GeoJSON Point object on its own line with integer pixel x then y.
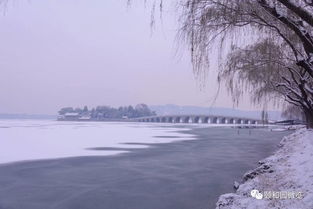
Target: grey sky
{"type": "Point", "coordinates": [78, 52]}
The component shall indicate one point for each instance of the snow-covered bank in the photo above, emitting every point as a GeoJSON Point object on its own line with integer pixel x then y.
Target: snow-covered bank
{"type": "Point", "coordinates": [284, 180]}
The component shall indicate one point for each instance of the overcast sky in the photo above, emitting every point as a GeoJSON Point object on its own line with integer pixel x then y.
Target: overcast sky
{"type": "Point", "coordinates": [92, 52]}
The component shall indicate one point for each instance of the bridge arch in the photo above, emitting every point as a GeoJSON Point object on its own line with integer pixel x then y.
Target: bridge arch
{"type": "Point", "coordinates": [244, 121]}
{"type": "Point", "coordinates": [214, 120]}
{"type": "Point", "coordinates": [186, 119]}
{"type": "Point", "coordinates": [237, 121]}
{"type": "Point", "coordinates": [196, 119]}
{"type": "Point", "coordinates": [170, 119]}
{"type": "Point", "coordinates": [223, 120]}
{"type": "Point", "coordinates": [206, 120]}
{"type": "Point", "coordinates": [177, 120]}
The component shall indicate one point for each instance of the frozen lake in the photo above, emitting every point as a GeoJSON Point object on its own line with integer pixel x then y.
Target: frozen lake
{"type": "Point", "coordinates": [124, 165]}
{"type": "Point", "coordinates": [22, 140]}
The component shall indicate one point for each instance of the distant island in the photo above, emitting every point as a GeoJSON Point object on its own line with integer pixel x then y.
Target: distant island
{"type": "Point", "coordinates": [104, 113]}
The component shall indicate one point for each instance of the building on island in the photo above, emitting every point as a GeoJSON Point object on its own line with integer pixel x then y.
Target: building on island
{"type": "Point", "coordinates": [69, 116]}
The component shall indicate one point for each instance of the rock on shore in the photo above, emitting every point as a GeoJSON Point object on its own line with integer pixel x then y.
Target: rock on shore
{"type": "Point", "coordinates": [284, 180]}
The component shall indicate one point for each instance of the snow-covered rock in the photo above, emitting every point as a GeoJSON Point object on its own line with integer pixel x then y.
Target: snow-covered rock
{"type": "Point", "coordinates": [283, 180]}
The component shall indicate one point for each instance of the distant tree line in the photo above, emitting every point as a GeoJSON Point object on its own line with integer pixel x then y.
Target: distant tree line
{"type": "Point", "coordinates": [107, 112]}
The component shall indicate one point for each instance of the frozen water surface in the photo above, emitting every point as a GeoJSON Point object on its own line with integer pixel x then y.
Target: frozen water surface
{"type": "Point", "coordinates": [183, 174]}
{"type": "Point", "coordinates": [22, 140]}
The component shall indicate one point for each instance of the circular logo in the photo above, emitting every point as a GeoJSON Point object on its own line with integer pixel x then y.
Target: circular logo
{"type": "Point", "coordinates": [256, 194]}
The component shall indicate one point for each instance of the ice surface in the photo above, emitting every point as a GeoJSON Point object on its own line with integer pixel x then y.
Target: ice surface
{"type": "Point", "coordinates": [22, 140]}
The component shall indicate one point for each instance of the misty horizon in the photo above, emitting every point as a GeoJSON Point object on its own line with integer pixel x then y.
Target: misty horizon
{"type": "Point", "coordinates": [108, 56]}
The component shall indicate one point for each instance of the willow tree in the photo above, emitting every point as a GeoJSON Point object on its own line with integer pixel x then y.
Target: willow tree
{"type": "Point", "coordinates": [264, 46]}
{"type": "Point", "coordinates": [262, 70]}
{"type": "Point", "coordinates": [278, 60]}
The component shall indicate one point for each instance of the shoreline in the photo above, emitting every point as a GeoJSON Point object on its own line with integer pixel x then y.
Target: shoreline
{"type": "Point", "coordinates": [288, 171]}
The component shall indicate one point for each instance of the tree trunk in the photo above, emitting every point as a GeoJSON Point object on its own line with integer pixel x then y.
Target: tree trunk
{"type": "Point", "coordinates": [309, 118]}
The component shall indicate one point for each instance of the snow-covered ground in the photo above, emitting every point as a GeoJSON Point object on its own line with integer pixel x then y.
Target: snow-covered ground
{"type": "Point", "coordinates": [283, 180]}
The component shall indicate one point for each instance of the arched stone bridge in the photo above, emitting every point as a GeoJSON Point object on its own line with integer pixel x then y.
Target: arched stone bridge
{"type": "Point", "coordinates": [211, 119]}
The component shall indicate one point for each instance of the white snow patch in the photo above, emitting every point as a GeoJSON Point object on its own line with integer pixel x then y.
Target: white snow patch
{"type": "Point", "coordinates": [22, 140]}
{"type": "Point", "coordinates": [290, 169]}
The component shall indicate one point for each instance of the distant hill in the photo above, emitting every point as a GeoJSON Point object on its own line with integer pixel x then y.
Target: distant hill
{"type": "Point", "coordinates": [175, 109]}
{"type": "Point", "coordinates": [28, 116]}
